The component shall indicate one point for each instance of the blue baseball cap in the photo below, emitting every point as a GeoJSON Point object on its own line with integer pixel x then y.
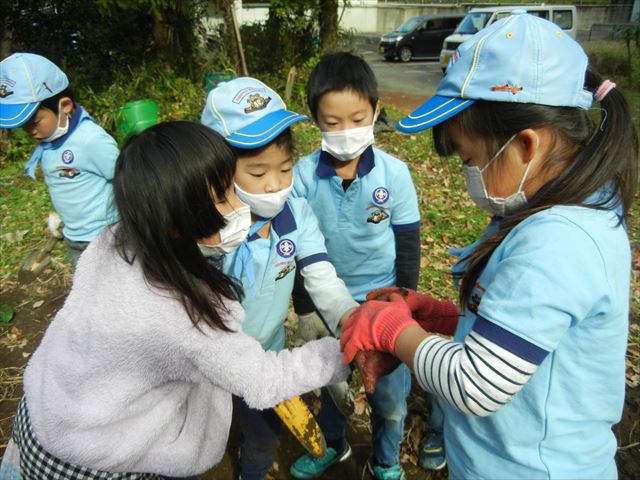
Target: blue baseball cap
{"type": "Point", "coordinates": [247, 113]}
{"type": "Point", "coordinates": [521, 58]}
{"type": "Point", "coordinates": [26, 79]}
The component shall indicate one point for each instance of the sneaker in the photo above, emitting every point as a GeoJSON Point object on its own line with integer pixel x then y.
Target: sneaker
{"type": "Point", "coordinates": [386, 473]}
{"type": "Point", "coordinates": [309, 466]}
{"type": "Point", "coordinates": [432, 456]}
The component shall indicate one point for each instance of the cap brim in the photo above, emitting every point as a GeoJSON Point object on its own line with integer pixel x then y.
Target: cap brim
{"type": "Point", "coordinates": [434, 111]}
{"type": "Point", "coordinates": [264, 130]}
{"type": "Point", "coordinates": [16, 115]}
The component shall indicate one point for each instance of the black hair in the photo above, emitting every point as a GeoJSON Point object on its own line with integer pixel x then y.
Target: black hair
{"type": "Point", "coordinates": [284, 140]}
{"type": "Point", "coordinates": [163, 190]}
{"type": "Point", "coordinates": [52, 103]}
{"type": "Point", "coordinates": [595, 155]}
{"type": "Point", "coordinates": [341, 71]}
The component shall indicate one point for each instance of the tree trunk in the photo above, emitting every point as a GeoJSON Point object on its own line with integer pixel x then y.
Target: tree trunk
{"type": "Point", "coordinates": [328, 20]}
{"type": "Point", "coordinates": [233, 36]}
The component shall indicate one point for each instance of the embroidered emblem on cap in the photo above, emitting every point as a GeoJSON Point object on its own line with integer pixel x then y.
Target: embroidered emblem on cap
{"type": "Point", "coordinates": [286, 248]}
{"type": "Point", "coordinates": [4, 91]}
{"type": "Point", "coordinates": [256, 102]}
{"type": "Point", "coordinates": [67, 157]}
{"type": "Point", "coordinates": [380, 195]}
{"type": "Point", "coordinates": [506, 88]}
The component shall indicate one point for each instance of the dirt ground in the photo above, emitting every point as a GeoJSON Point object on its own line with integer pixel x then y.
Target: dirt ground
{"type": "Point", "coordinates": [36, 303]}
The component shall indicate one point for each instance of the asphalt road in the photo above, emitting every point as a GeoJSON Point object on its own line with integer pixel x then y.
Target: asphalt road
{"type": "Point", "coordinates": [416, 77]}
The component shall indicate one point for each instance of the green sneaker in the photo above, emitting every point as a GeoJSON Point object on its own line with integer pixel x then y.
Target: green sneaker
{"type": "Point", "coordinates": [386, 473]}
{"type": "Point", "coordinates": [432, 456]}
{"type": "Point", "coordinates": [309, 466]}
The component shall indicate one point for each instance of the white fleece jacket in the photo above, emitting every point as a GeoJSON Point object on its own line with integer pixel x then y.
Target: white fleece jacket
{"type": "Point", "coordinates": [123, 382]}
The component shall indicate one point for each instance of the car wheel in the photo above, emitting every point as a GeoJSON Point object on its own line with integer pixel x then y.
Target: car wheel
{"type": "Point", "coordinates": [405, 54]}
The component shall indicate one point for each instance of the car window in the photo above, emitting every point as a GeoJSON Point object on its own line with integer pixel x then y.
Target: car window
{"type": "Point", "coordinates": [563, 18]}
{"type": "Point", "coordinates": [541, 13]}
{"type": "Point", "coordinates": [409, 25]}
{"type": "Point", "coordinates": [453, 22]}
{"type": "Point", "coordinates": [473, 22]}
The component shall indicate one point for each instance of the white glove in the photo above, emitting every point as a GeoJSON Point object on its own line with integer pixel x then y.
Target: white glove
{"type": "Point", "coordinates": [54, 225]}
{"type": "Point", "coordinates": [311, 327]}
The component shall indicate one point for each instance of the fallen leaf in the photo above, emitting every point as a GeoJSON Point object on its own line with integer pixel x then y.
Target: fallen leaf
{"type": "Point", "coordinates": [38, 304]}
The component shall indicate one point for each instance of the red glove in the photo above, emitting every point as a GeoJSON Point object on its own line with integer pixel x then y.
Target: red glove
{"type": "Point", "coordinates": [432, 315]}
{"type": "Point", "coordinates": [375, 326]}
{"type": "Point", "coordinates": [373, 365]}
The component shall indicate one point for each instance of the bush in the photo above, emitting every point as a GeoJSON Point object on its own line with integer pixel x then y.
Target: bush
{"type": "Point", "coordinates": [610, 58]}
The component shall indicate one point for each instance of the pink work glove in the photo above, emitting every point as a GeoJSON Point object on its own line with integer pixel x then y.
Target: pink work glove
{"type": "Point", "coordinates": [438, 316]}
{"type": "Point", "coordinates": [373, 365]}
{"type": "Point", "coordinates": [375, 325]}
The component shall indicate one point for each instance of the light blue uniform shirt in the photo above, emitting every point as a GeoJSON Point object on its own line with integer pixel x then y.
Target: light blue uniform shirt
{"type": "Point", "coordinates": [294, 236]}
{"type": "Point", "coordinates": [559, 282]}
{"type": "Point", "coordinates": [359, 224]}
{"type": "Point", "coordinates": [78, 170]}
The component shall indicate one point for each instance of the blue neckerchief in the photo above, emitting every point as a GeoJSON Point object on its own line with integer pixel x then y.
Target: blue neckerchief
{"type": "Point", "coordinates": [78, 116]}
{"type": "Point", "coordinates": [243, 262]}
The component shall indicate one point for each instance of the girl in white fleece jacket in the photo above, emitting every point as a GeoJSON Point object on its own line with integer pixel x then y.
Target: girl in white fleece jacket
{"type": "Point", "coordinates": [134, 376]}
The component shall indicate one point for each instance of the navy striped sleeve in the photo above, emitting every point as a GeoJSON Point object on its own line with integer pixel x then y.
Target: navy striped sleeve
{"type": "Point", "coordinates": [318, 257]}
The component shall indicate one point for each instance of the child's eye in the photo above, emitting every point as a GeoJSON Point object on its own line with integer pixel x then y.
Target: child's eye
{"type": "Point", "coordinates": [257, 175]}
{"type": "Point", "coordinates": [286, 170]}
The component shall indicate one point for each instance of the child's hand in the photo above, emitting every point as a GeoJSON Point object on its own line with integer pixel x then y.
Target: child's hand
{"type": "Point", "coordinates": [433, 315]}
{"type": "Point", "coordinates": [373, 365]}
{"type": "Point", "coordinates": [375, 326]}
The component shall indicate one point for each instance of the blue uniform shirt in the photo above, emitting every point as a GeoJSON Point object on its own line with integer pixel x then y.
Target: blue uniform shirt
{"type": "Point", "coordinates": [294, 236]}
{"type": "Point", "coordinates": [559, 285]}
{"type": "Point", "coordinates": [78, 169]}
{"type": "Point", "coordinates": [359, 224]}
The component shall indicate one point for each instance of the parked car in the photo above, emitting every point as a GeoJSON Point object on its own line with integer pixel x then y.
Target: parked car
{"type": "Point", "coordinates": [419, 37]}
{"type": "Point", "coordinates": [565, 16]}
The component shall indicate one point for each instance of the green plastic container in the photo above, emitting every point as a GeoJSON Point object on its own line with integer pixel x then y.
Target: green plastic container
{"type": "Point", "coordinates": [134, 117]}
{"type": "Point", "coordinates": [211, 80]}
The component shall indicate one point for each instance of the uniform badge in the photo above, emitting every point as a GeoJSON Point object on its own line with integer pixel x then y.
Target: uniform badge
{"type": "Point", "coordinates": [286, 248]}
{"type": "Point", "coordinates": [380, 195]}
{"type": "Point", "coordinates": [67, 157]}
{"type": "Point", "coordinates": [377, 216]}
{"type": "Point", "coordinates": [285, 271]}
{"type": "Point", "coordinates": [476, 298]}
{"type": "Point", "coordinates": [67, 172]}
{"type": "Point", "coordinates": [256, 102]}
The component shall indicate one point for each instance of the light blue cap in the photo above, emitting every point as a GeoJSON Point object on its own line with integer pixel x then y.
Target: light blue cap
{"type": "Point", "coordinates": [247, 113]}
{"type": "Point", "coordinates": [521, 58]}
{"type": "Point", "coordinates": [26, 79]}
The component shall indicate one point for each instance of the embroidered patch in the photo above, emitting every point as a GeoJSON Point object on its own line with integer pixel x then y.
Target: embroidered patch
{"type": "Point", "coordinates": [68, 172]}
{"type": "Point", "coordinates": [286, 248]}
{"type": "Point", "coordinates": [67, 157]}
{"type": "Point", "coordinates": [476, 298]}
{"type": "Point", "coordinates": [5, 84]}
{"type": "Point", "coordinates": [380, 195]}
{"type": "Point", "coordinates": [506, 88]}
{"type": "Point", "coordinates": [285, 271]}
{"type": "Point", "coordinates": [256, 102]}
{"type": "Point", "coordinates": [377, 216]}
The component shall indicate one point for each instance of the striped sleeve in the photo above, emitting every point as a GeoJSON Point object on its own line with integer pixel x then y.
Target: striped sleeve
{"type": "Point", "coordinates": [480, 375]}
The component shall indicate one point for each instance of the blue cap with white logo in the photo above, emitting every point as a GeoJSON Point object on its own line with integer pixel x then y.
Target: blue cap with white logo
{"type": "Point", "coordinates": [521, 58]}
{"type": "Point", "coordinates": [247, 113]}
{"type": "Point", "coordinates": [26, 79]}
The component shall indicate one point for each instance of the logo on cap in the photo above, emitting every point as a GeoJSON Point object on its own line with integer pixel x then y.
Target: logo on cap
{"type": "Point", "coordinates": [506, 88]}
{"type": "Point", "coordinates": [286, 248]}
{"type": "Point", "coordinates": [380, 195]}
{"type": "Point", "coordinates": [67, 157]}
{"type": "Point", "coordinates": [4, 91]}
{"type": "Point", "coordinates": [256, 102]}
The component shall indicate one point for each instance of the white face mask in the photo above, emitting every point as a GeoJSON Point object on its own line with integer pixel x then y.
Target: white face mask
{"type": "Point", "coordinates": [267, 205]}
{"type": "Point", "coordinates": [348, 144]}
{"type": "Point", "coordinates": [59, 131]}
{"type": "Point", "coordinates": [231, 235]}
{"type": "Point", "coordinates": [478, 190]}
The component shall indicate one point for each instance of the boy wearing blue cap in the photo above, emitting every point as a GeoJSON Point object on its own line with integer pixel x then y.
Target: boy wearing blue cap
{"type": "Point", "coordinates": [284, 233]}
{"type": "Point", "coordinates": [534, 378]}
{"type": "Point", "coordinates": [367, 208]}
{"type": "Point", "coordinates": [76, 155]}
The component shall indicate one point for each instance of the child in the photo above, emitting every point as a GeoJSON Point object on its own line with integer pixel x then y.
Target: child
{"type": "Point", "coordinates": [137, 371]}
{"type": "Point", "coordinates": [535, 376]}
{"type": "Point", "coordinates": [284, 232]}
{"type": "Point", "coordinates": [77, 155]}
{"type": "Point", "coordinates": [367, 208]}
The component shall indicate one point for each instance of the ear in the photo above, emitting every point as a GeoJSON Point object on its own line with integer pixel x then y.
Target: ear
{"type": "Point", "coordinates": [66, 105]}
{"type": "Point", "coordinates": [376, 111]}
{"type": "Point", "coordinates": [528, 143]}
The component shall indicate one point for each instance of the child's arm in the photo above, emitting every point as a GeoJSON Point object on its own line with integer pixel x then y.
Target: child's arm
{"type": "Point", "coordinates": [102, 152]}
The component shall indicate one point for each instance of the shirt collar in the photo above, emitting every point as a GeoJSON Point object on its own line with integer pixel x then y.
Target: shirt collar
{"type": "Point", "coordinates": [325, 168]}
{"type": "Point", "coordinates": [282, 223]}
